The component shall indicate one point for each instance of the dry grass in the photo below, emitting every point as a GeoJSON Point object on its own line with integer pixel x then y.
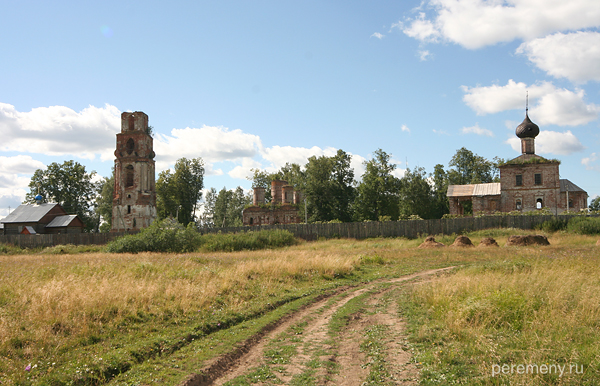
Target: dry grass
{"type": "Point", "coordinates": [533, 306]}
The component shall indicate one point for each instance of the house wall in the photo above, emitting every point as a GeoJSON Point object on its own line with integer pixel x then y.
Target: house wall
{"type": "Point", "coordinates": [548, 191]}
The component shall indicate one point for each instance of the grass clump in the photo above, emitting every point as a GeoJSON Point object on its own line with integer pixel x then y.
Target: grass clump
{"type": "Point", "coordinates": [253, 240]}
{"type": "Point", "coordinates": [584, 225]}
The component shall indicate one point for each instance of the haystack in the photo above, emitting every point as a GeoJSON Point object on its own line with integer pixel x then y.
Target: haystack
{"type": "Point", "coordinates": [462, 241]}
{"type": "Point", "coordinates": [527, 240]}
{"type": "Point", "coordinates": [598, 242]}
{"type": "Point", "coordinates": [431, 243]}
{"type": "Point", "coordinates": [488, 242]}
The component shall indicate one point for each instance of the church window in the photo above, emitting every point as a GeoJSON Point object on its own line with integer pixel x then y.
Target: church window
{"type": "Point", "coordinates": [538, 178]}
{"type": "Point", "coordinates": [129, 146]}
{"type": "Point", "coordinates": [128, 209]}
{"type": "Point", "coordinates": [131, 123]}
{"type": "Point", "coordinates": [519, 181]}
{"type": "Point", "coordinates": [570, 203]}
{"type": "Point", "coordinates": [519, 205]}
{"type": "Point", "coordinates": [539, 203]}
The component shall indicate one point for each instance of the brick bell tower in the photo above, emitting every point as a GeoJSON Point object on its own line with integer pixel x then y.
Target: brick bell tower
{"type": "Point", "coordinates": [134, 198]}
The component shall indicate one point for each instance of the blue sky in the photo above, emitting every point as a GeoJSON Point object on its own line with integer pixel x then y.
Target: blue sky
{"type": "Point", "coordinates": [256, 84]}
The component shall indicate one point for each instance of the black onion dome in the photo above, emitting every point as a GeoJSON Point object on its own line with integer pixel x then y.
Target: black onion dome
{"type": "Point", "coordinates": [527, 129]}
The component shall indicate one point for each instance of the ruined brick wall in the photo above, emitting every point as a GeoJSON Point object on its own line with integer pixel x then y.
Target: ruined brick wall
{"type": "Point", "coordinates": [281, 210]}
{"type": "Point", "coordinates": [522, 189]}
{"type": "Point", "coordinates": [134, 199]}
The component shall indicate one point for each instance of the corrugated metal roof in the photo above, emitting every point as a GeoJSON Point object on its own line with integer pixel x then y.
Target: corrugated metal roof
{"type": "Point", "coordinates": [460, 190]}
{"type": "Point", "coordinates": [61, 221]}
{"type": "Point", "coordinates": [564, 184]}
{"type": "Point", "coordinates": [492, 189]}
{"type": "Point", "coordinates": [28, 213]}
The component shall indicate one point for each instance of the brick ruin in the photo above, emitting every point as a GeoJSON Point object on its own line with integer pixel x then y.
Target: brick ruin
{"type": "Point", "coordinates": [134, 197]}
{"type": "Point", "coordinates": [283, 208]}
{"type": "Point", "coordinates": [528, 182]}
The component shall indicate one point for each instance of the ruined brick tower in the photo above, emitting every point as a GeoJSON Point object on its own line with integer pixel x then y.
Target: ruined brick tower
{"type": "Point", "coordinates": [134, 198]}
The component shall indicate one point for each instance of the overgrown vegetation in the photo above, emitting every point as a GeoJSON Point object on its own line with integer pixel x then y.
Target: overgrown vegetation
{"type": "Point", "coordinates": [535, 308]}
{"type": "Point", "coordinates": [154, 318]}
{"type": "Point", "coordinates": [170, 236]}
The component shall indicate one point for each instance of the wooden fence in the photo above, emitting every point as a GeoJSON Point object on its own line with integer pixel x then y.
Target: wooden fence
{"type": "Point", "coordinates": [354, 230]}
{"type": "Point", "coordinates": [44, 240]}
{"type": "Point", "coordinates": [407, 228]}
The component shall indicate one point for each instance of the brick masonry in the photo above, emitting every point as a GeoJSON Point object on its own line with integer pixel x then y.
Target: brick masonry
{"type": "Point", "coordinates": [134, 198]}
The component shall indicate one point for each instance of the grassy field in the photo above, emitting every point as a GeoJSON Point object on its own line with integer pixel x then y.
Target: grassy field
{"type": "Point", "coordinates": [154, 318]}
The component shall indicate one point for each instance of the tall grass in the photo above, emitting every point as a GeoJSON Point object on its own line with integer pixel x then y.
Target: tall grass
{"type": "Point", "coordinates": [170, 236]}
{"type": "Point", "coordinates": [526, 309]}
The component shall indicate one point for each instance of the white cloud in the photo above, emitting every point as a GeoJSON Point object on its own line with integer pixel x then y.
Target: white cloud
{"type": "Point", "coordinates": [405, 128]}
{"type": "Point", "coordinates": [574, 56]}
{"type": "Point", "coordinates": [477, 130]}
{"type": "Point", "coordinates": [15, 175]}
{"type": "Point", "coordinates": [477, 23]}
{"type": "Point", "coordinates": [551, 142]}
{"type": "Point", "coordinates": [420, 28]}
{"type": "Point", "coordinates": [278, 156]}
{"type": "Point", "coordinates": [20, 164]}
{"type": "Point", "coordinates": [590, 162]}
{"type": "Point", "coordinates": [243, 171]}
{"type": "Point", "coordinates": [554, 105]}
{"type": "Point", "coordinates": [377, 35]}
{"type": "Point", "coordinates": [424, 55]}
{"type": "Point", "coordinates": [59, 130]}
{"type": "Point", "coordinates": [212, 144]}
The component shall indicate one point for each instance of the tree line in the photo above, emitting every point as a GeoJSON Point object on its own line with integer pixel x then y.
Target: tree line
{"type": "Point", "coordinates": [330, 190]}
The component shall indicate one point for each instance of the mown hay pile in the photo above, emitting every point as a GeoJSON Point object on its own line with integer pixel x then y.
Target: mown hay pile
{"type": "Point", "coordinates": [462, 241]}
{"type": "Point", "coordinates": [521, 241]}
{"type": "Point", "coordinates": [598, 242]}
{"type": "Point", "coordinates": [488, 242]}
{"type": "Point", "coordinates": [431, 243]}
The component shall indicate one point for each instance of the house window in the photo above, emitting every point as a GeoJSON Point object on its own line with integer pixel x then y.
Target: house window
{"type": "Point", "coordinates": [519, 181]}
{"type": "Point", "coordinates": [539, 203]}
{"type": "Point", "coordinates": [538, 178]}
{"type": "Point", "coordinates": [518, 205]}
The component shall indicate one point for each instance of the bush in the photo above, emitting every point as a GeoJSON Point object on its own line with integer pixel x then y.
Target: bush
{"type": "Point", "coordinates": [162, 236]}
{"type": "Point", "coordinates": [554, 225]}
{"type": "Point", "coordinates": [170, 236]}
{"type": "Point", "coordinates": [252, 240]}
{"type": "Point", "coordinates": [584, 225]}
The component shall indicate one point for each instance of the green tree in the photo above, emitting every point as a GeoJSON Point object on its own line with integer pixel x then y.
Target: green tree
{"type": "Point", "coordinates": [440, 191]}
{"type": "Point", "coordinates": [595, 204]}
{"type": "Point", "coordinates": [228, 206]}
{"type": "Point", "coordinates": [69, 185]}
{"type": "Point", "coordinates": [178, 193]}
{"type": "Point", "coordinates": [104, 201]}
{"type": "Point", "coordinates": [377, 193]}
{"type": "Point", "coordinates": [416, 194]}
{"type": "Point", "coordinates": [470, 168]}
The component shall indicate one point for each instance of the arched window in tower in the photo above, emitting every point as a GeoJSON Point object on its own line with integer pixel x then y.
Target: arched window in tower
{"type": "Point", "coordinates": [539, 203]}
{"type": "Point", "coordinates": [129, 146]}
{"type": "Point", "coordinates": [131, 123]}
{"type": "Point", "coordinates": [129, 176]}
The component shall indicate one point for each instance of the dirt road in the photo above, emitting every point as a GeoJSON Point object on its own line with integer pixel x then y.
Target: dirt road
{"type": "Point", "coordinates": [354, 337]}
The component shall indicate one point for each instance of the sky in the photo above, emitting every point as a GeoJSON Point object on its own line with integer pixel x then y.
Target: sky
{"type": "Point", "coordinates": [256, 84]}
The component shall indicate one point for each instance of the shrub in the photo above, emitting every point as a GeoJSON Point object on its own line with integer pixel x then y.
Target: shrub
{"type": "Point", "coordinates": [170, 236]}
{"type": "Point", "coordinates": [162, 236]}
{"type": "Point", "coordinates": [584, 225]}
{"type": "Point", "coordinates": [252, 240]}
{"type": "Point", "coordinates": [554, 225]}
